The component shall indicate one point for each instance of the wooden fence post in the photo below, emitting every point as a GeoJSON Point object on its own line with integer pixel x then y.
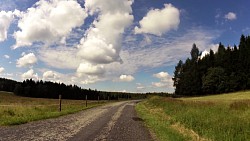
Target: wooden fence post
{"type": "Point", "coordinates": [86, 98]}
{"type": "Point", "coordinates": [60, 103]}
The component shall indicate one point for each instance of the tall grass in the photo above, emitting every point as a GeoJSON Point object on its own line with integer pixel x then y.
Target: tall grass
{"type": "Point", "coordinates": [158, 123]}
{"type": "Point", "coordinates": [18, 110]}
{"type": "Point", "coordinates": [217, 119]}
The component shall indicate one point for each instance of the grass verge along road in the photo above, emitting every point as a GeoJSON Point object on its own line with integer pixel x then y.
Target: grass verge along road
{"type": "Point", "coordinates": [219, 117]}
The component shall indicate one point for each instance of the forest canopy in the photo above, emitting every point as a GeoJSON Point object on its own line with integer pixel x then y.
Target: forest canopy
{"type": "Point", "coordinates": [223, 71]}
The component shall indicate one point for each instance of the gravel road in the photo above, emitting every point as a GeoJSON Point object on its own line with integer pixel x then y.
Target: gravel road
{"type": "Point", "coordinates": [113, 122]}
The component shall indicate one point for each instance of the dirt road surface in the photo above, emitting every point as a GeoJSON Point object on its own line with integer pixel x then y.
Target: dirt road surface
{"type": "Point", "coordinates": [113, 122]}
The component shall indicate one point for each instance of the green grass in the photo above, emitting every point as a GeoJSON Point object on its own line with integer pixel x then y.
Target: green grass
{"type": "Point", "coordinates": [224, 98]}
{"type": "Point", "coordinates": [221, 117]}
{"type": "Point", "coordinates": [158, 123]}
{"type": "Point", "coordinates": [16, 110]}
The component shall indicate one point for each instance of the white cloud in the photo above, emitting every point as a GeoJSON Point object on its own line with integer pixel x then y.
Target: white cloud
{"type": "Point", "coordinates": [102, 43]}
{"type": "Point", "coordinates": [50, 75]}
{"type": "Point", "coordinates": [161, 75]}
{"type": "Point", "coordinates": [126, 78]}
{"type": "Point", "coordinates": [108, 6]}
{"type": "Point", "coordinates": [30, 74]}
{"type": "Point", "coordinates": [165, 52]}
{"type": "Point", "coordinates": [6, 56]}
{"type": "Point", "coordinates": [204, 53]}
{"type": "Point", "coordinates": [214, 47]}
{"type": "Point", "coordinates": [139, 86]}
{"type": "Point", "coordinates": [54, 76]}
{"type": "Point", "coordinates": [165, 80]}
{"type": "Point", "coordinates": [7, 75]}
{"type": "Point", "coordinates": [27, 60]}
{"type": "Point", "coordinates": [48, 22]}
{"type": "Point", "coordinates": [159, 84]}
{"type": "Point", "coordinates": [61, 57]}
{"type": "Point", "coordinates": [90, 79]}
{"type": "Point", "coordinates": [159, 21]}
{"type": "Point", "coordinates": [89, 69]}
{"type": "Point", "coordinates": [5, 21]}
{"type": "Point", "coordinates": [231, 16]}
{"type": "Point", "coordinates": [1, 69]}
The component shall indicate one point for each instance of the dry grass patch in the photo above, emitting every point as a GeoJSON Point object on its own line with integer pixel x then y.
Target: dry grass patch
{"type": "Point", "coordinates": [18, 110]}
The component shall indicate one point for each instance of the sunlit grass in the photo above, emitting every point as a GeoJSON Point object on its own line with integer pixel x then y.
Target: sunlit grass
{"type": "Point", "coordinates": [17, 110]}
{"type": "Point", "coordinates": [158, 122]}
{"type": "Point", "coordinates": [219, 117]}
{"type": "Point", "coordinates": [222, 97]}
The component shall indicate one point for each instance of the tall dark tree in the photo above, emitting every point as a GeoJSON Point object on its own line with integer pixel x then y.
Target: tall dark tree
{"type": "Point", "coordinates": [178, 72]}
{"type": "Point", "coordinates": [194, 53]}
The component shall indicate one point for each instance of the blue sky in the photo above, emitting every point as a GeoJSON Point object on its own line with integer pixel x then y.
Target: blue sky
{"type": "Point", "coordinates": [112, 45]}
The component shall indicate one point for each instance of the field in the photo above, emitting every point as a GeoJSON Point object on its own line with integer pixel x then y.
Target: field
{"type": "Point", "coordinates": [18, 110]}
{"type": "Point", "coordinates": [219, 117]}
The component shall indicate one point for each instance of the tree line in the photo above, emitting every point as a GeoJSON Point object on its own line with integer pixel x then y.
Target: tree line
{"type": "Point", "coordinates": [227, 70]}
{"type": "Point", "coordinates": [47, 89]}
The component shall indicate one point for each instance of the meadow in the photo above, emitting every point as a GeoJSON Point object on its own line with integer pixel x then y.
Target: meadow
{"type": "Point", "coordinates": [16, 110]}
{"type": "Point", "coordinates": [218, 117]}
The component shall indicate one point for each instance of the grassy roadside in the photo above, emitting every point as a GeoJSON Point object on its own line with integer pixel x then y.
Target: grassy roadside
{"type": "Point", "coordinates": [16, 110]}
{"type": "Point", "coordinates": [158, 122]}
{"type": "Point", "coordinates": [221, 117]}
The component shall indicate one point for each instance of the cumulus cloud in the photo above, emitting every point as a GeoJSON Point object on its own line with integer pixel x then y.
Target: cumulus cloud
{"type": "Point", "coordinates": [90, 79]}
{"type": "Point", "coordinates": [161, 75]}
{"type": "Point", "coordinates": [159, 21]}
{"type": "Point", "coordinates": [230, 16]}
{"type": "Point", "coordinates": [126, 78]}
{"type": "Point", "coordinates": [5, 21]}
{"type": "Point", "coordinates": [26, 60]}
{"type": "Point", "coordinates": [213, 47]}
{"type": "Point", "coordinates": [7, 75]}
{"type": "Point", "coordinates": [30, 74]}
{"type": "Point", "coordinates": [54, 76]}
{"type": "Point", "coordinates": [204, 53]}
{"type": "Point", "coordinates": [48, 22]}
{"type": "Point", "coordinates": [102, 43]}
{"type": "Point", "coordinates": [165, 80]}
{"type": "Point", "coordinates": [89, 69]}
{"type": "Point", "coordinates": [49, 75]}
{"type": "Point", "coordinates": [1, 69]}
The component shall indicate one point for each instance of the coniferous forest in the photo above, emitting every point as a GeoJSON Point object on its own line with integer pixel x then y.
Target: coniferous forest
{"type": "Point", "coordinates": [46, 89]}
{"type": "Point", "coordinates": [226, 70]}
